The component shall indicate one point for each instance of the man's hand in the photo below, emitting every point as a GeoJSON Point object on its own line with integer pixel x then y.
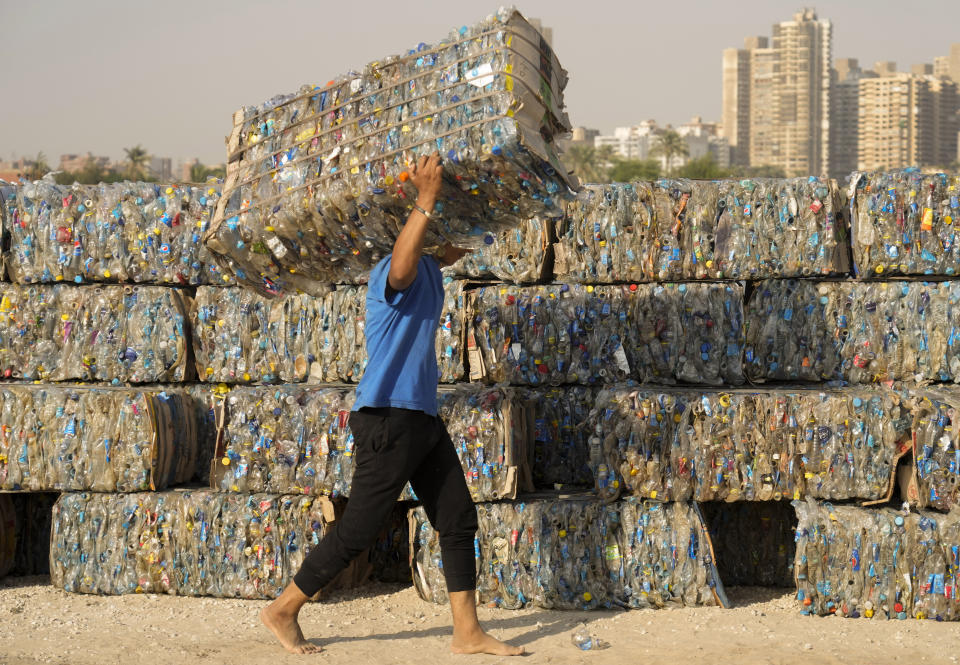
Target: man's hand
{"type": "Point", "coordinates": [427, 176]}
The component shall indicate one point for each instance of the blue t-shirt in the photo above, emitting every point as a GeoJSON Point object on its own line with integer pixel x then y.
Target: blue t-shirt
{"type": "Point", "coordinates": [401, 330]}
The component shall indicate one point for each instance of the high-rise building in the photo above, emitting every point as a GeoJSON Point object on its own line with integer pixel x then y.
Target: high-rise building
{"type": "Point", "coordinates": [186, 169]}
{"type": "Point", "coordinates": [922, 70]}
{"type": "Point", "coordinates": [845, 116]}
{"type": "Point", "coordinates": [946, 120]}
{"type": "Point", "coordinates": [776, 97]}
{"type": "Point", "coordinates": [160, 168]}
{"type": "Point", "coordinates": [801, 78]}
{"type": "Point", "coordinates": [736, 98]}
{"type": "Point", "coordinates": [941, 66]}
{"type": "Point", "coordinates": [954, 62]}
{"type": "Point", "coordinates": [896, 122]}
{"type": "Point", "coordinates": [763, 123]}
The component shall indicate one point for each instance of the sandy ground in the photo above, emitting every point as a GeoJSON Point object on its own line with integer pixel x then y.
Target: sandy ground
{"type": "Point", "coordinates": [390, 624]}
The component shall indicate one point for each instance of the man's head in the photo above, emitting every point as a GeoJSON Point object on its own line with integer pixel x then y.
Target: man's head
{"type": "Point", "coordinates": [448, 255]}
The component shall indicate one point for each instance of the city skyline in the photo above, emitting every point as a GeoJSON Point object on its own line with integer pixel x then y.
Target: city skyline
{"type": "Point", "coordinates": [176, 101]}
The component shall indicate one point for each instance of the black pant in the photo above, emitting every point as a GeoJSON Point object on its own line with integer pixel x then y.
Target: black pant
{"type": "Point", "coordinates": [391, 447]}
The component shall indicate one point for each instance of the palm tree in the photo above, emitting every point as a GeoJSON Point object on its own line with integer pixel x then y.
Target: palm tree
{"type": "Point", "coordinates": [38, 169]}
{"type": "Point", "coordinates": [669, 145]}
{"type": "Point", "coordinates": [137, 157]}
{"type": "Point", "coordinates": [198, 172]}
{"type": "Point", "coordinates": [607, 158]}
{"type": "Point", "coordinates": [582, 160]}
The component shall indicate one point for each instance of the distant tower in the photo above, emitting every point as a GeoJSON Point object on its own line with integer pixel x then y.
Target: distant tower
{"type": "Point", "coordinates": [801, 81]}
{"type": "Point", "coordinates": [736, 98]}
{"type": "Point", "coordinates": [776, 97]}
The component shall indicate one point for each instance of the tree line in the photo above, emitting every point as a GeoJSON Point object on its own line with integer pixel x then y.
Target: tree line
{"type": "Point", "coordinates": [602, 165]}
{"type": "Point", "coordinates": [133, 168]}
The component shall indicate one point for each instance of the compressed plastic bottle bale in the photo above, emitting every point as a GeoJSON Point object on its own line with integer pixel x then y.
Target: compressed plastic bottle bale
{"type": "Point", "coordinates": [773, 227]}
{"type": "Point", "coordinates": [576, 553]}
{"type": "Point", "coordinates": [560, 433]}
{"type": "Point", "coordinates": [452, 332]}
{"type": "Point", "coordinates": [765, 558]}
{"type": "Point", "coordinates": [240, 336]}
{"type": "Point", "coordinates": [338, 342]}
{"type": "Point", "coordinates": [608, 234]}
{"type": "Point", "coordinates": [584, 334]}
{"type": "Point", "coordinates": [664, 555]}
{"type": "Point", "coordinates": [488, 426]}
{"type": "Point", "coordinates": [936, 450]}
{"type": "Point", "coordinates": [876, 563]}
{"type": "Point", "coordinates": [297, 440]}
{"type": "Point", "coordinates": [519, 256]}
{"type": "Point", "coordinates": [679, 445]}
{"type": "Point", "coordinates": [103, 439]}
{"type": "Point", "coordinates": [192, 542]}
{"type": "Point", "coordinates": [860, 332]}
{"type": "Point", "coordinates": [546, 335]}
{"type": "Point", "coordinates": [688, 333]}
{"type": "Point", "coordinates": [689, 229]}
{"type": "Point", "coordinates": [132, 334]}
{"type": "Point", "coordinates": [903, 223]}
{"type": "Point", "coordinates": [285, 440]}
{"type": "Point", "coordinates": [112, 232]}
{"type": "Point", "coordinates": [316, 191]}
{"type": "Point", "coordinates": [33, 513]}
{"type": "Point", "coordinates": [685, 213]}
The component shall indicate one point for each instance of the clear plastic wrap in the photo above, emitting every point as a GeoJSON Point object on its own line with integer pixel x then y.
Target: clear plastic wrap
{"type": "Point", "coordinates": [765, 558]}
{"type": "Point", "coordinates": [119, 232]}
{"type": "Point", "coordinates": [132, 334]}
{"type": "Point", "coordinates": [519, 256]}
{"type": "Point", "coordinates": [297, 440]}
{"type": "Point", "coordinates": [681, 445]}
{"type": "Point", "coordinates": [877, 563]}
{"type": "Point", "coordinates": [904, 223]}
{"type": "Point", "coordinates": [240, 336]}
{"type": "Point", "coordinates": [102, 439]}
{"type": "Point", "coordinates": [183, 542]}
{"type": "Point", "coordinates": [316, 190]}
{"type": "Point", "coordinates": [569, 333]}
{"type": "Point", "coordinates": [861, 332]}
{"type": "Point", "coordinates": [608, 234]}
{"type": "Point", "coordinates": [692, 229]}
{"type": "Point", "coordinates": [578, 554]}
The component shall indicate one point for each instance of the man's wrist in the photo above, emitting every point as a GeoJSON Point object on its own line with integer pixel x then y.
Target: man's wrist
{"type": "Point", "coordinates": [426, 202]}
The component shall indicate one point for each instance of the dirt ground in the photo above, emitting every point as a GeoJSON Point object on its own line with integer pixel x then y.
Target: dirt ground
{"type": "Point", "coordinates": [390, 624]}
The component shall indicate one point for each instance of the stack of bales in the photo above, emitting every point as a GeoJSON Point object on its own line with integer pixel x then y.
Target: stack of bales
{"type": "Point", "coordinates": [96, 351]}
{"type": "Point", "coordinates": [594, 355]}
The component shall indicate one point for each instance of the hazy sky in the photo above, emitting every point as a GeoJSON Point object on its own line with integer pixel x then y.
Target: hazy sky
{"type": "Point", "coordinates": [102, 75]}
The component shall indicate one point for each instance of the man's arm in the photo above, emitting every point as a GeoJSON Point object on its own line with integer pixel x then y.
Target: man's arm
{"type": "Point", "coordinates": [426, 176]}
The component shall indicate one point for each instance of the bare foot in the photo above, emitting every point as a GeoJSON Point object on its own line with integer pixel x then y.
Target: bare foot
{"type": "Point", "coordinates": [481, 642]}
{"type": "Point", "coordinates": [287, 630]}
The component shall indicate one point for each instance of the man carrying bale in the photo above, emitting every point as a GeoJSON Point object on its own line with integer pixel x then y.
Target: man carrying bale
{"type": "Point", "coordinates": [398, 437]}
